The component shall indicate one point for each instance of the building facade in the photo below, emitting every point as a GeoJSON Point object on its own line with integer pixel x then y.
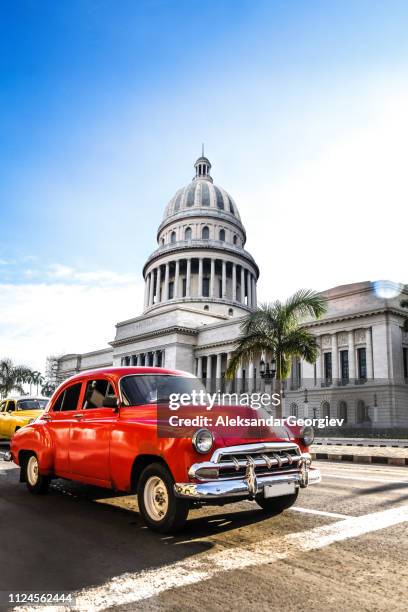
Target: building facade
{"type": "Point", "coordinates": [201, 281]}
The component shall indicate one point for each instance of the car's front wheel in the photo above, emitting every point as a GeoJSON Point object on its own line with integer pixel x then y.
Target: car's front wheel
{"type": "Point", "coordinates": [162, 511]}
{"type": "Point", "coordinates": [36, 482]}
{"type": "Point", "coordinates": [276, 505]}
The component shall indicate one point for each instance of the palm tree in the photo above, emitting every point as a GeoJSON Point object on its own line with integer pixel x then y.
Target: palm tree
{"type": "Point", "coordinates": [37, 379]}
{"type": "Point", "coordinates": [12, 377]}
{"type": "Point", "coordinates": [275, 330]}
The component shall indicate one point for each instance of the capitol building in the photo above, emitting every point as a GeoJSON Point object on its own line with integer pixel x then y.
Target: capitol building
{"type": "Point", "coordinates": [201, 281]}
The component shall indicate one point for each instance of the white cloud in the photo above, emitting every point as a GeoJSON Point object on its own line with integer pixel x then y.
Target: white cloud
{"type": "Point", "coordinates": [41, 319]}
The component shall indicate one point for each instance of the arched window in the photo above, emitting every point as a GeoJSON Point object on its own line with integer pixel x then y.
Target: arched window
{"type": "Point", "coordinates": [362, 412]}
{"type": "Point", "coordinates": [205, 233]}
{"type": "Point", "coordinates": [205, 194]}
{"type": "Point", "coordinates": [343, 411]}
{"type": "Point", "coordinates": [162, 240]}
{"type": "Point", "coordinates": [177, 202]}
{"type": "Point", "coordinates": [173, 237]}
{"type": "Point", "coordinates": [293, 410]}
{"type": "Point", "coordinates": [188, 233]}
{"type": "Point", "coordinates": [235, 239]}
{"type": "Point", "coordinates": [220, 199]}
{"type": "Point", "coordinates": [222, 235]}
{"type": "Point", "coordinates": [230, 312]}
{"type": "Point", "coordinates": [206, 307]}
{"type": "Point", "coordinates": [325, 410]}
{"type": "Point", "coordinates": [190, 197]}
{"type": "Point", "coordinates": [231, 208]}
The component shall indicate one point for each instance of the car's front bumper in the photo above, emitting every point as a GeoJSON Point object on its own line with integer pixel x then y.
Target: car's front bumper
{"type": "Point", "coordinates": [209, 482]}
{"type": "Point", "coordinates": [240, 488]}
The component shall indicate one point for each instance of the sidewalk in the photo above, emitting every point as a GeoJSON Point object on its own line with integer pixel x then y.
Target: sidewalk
{"type": "Point", "coordinates": [360, 454]}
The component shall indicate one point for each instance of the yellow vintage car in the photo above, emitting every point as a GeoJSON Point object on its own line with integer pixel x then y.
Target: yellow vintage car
{"type": "Point", "coordinates": [15, 412]}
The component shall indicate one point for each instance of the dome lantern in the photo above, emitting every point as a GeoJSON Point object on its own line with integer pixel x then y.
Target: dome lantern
{"type": "Point", "coordinates": [202, 168]}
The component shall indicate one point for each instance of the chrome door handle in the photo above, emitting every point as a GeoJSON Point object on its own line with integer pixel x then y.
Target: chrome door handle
{"type": "Point", "coordinates": [46, 417]}
{"type": "Point", "coordinates": [78, 416]}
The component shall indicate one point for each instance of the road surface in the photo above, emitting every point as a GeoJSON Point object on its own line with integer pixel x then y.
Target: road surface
{"type": "Point", "coordinates": [344, 546]}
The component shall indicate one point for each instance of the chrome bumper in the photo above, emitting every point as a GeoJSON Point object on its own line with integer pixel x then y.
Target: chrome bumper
{"type": "Point", "coordinates": [6, 456]}
{"type": "Point", "coordinates": [250, 486]}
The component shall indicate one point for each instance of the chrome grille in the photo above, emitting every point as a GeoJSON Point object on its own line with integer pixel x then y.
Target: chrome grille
{"type": "Point", "coordinates": [266, 458]}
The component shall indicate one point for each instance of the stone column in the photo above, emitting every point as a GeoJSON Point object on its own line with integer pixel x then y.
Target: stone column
{"type": "Point", "coordinates": [319, 360]}
{"type": "Point", "coordinates": [242, 285]}
{"type": "Point", "coordinates": [234, 282]}
{"type": "Point", "coordinates": [251, 377]}
{"type": "Point", "coordinates": [200, 277]}
{"type": "Point", "coordinates": [177, 279]}
{"type": "Point", "coordinates": [369, 352]}
{"type": "Point", "coordinates": [218, 373]}
{"type": "Point", "coordinates": [352, 358]}
{"type": "Point", "coordinates": [335, 359]}
{"type": "Point", "coordinates": [209, 374]}
{"type": "Point", "coordinates": [138, 359]}
{"type": "Point", "coordinates": [239, 380]}
{"type": "Point", "coordinates": [254, 301]}
{"type": "Point", "coordinates": [158, 282]}
{"type": "Point", "coordinates": [249, 283]}
{"type": "Point", "coordinates": [212, 278]}
{"type": "Point", "coordinates": [188, 279]}
{"type": "Point", "coordinates": [146, 293]}
{"type": "Point", "coordinates": [166, 282]}
{"type": "Point", "coordinates": [199, 367]}
{"type": "Point", "coordinates": [151, 296]}
{"type": "Point", "coordinates": [224, 280]}
{"type": "Point", "coordinates": [154, 359]}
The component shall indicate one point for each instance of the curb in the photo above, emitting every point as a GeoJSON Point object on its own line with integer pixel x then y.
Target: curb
{"type": "Point", "coordinates": [400, 461]}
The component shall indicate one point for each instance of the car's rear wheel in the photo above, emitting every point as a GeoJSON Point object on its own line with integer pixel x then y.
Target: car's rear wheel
{"type": "Point", "coordinates": [162, 511]}
{"type": "Point", "coordinates": [36, 482]}
{"type": "Point", "coordinates": [276, 505]}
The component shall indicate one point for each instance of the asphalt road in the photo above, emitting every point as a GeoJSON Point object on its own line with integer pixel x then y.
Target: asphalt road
{"type": "Point", "coordinates": [345, 546]}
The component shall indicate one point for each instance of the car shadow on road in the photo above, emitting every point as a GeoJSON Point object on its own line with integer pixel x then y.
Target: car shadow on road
{"type": "Point", "coordinates": [74, 537]}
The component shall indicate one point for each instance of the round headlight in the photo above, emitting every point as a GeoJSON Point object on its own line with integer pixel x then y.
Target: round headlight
{"type": "Point", "coordinates": [307, 435]}
{"type": "Point", "coordinates": [203, 440]}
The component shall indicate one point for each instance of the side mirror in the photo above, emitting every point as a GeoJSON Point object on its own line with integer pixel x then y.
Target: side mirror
{"type": "Point", "coordinates": [111, 402]}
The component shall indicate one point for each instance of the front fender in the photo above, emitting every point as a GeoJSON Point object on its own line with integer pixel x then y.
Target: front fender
{"type": "Point", "coordinates": [34, 438]}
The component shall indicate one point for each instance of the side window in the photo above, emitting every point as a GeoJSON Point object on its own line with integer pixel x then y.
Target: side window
{"type": "Point", "coordinates": [71, 397]}
{"type": "Point", "coordinates": [11, 406]}
{"type": "Point", "coordinates": [58, 403]}
{"type": "Point", "coordinates": [2, 406]}
{"type": "Point", "coordinates": [96, 391]}
{"type": "Point", "coordinates": [68, 399]}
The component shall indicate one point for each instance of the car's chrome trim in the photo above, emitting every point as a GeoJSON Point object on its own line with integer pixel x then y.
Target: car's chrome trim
{"type": "Point", "coordinates": [249, 486]}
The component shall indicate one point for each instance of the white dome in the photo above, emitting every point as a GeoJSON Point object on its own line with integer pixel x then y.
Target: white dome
{"type": "Point", "coordinates": [201, 193]}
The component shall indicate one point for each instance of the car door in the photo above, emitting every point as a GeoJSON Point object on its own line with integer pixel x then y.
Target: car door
{"type": "Point", "coordinates": [91, 432]}
{"type": "Point", "coordinates": [59, 419]}
{"type": "Point", "coordinates": [8, 422]}
{"type": "Point", "coordinates": [3, 415]}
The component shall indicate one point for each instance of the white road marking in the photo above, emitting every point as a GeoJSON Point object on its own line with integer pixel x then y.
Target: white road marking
{"type": "Point", "coordinates": [133, 588]}
{"type": "Point", "coordinates": [364, 479]}
{"type": "Point", "coordinates": [320, 512]}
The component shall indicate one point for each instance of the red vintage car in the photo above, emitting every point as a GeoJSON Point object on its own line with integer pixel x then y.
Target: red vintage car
{"type": "Point", "coordinates": [102, 427]}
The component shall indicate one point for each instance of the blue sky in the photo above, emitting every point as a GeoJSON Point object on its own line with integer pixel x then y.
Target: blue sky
{"type": "Point", "coordinates": [103, 108]}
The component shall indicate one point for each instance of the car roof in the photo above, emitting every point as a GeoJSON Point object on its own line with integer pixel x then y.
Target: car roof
{"type": "Point", "coordinates": [24, 397]}
{"type": "Point", "coordinates": [119, 372]}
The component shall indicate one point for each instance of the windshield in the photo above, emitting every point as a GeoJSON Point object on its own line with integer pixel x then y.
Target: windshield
{"type": "Point", "coordinates": [31, 404]}
{"type": "Point", "coordinates": [151, 388]}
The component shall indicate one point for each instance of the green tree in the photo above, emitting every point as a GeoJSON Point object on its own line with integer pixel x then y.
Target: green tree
{"type": "Point", "coordinates": [275, 330]}
{"type": "Point", "coordinates": [37, 379]}
{"type": "Point", "coordinates": [12, 377]}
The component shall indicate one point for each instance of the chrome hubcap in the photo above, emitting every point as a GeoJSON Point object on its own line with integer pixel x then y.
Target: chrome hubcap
{"type": "Point", "coordinates": [32, 471]}
{"type": "Point", "coordinates": [156, 499]}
